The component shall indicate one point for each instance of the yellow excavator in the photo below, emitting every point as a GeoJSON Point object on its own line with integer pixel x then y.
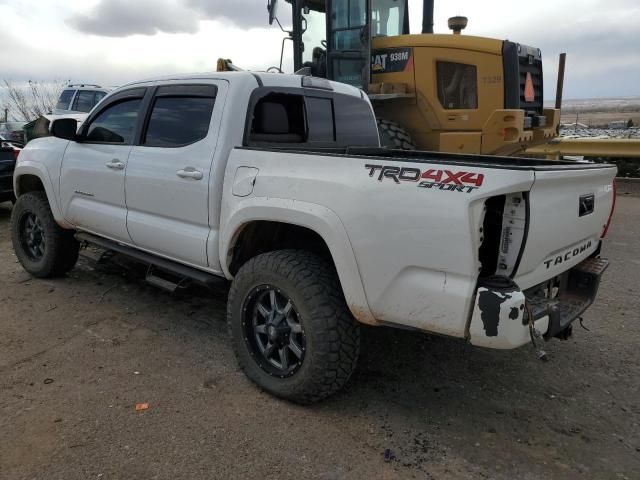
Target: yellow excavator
{"type": "Point", "coordinates": [443, 92]}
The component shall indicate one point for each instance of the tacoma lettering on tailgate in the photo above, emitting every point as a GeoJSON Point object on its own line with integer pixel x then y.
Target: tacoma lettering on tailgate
{"type": "Point", "coordinates": [557, 260]}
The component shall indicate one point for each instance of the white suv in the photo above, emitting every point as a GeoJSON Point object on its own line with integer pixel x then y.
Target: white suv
{"type": "Point", "coordinates": [79, 99]}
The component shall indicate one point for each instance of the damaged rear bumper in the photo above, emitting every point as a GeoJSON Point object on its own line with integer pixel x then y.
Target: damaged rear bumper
{"type": "Point", "coordinates": [500, 318]}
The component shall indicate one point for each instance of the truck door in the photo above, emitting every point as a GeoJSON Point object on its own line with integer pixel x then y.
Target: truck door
{"type": "Point", "coordinates": [349, 42]}
{"type": "Point", "coordinates": [169, 172]}
{"type": "Point", "coordinates": [93, 169]}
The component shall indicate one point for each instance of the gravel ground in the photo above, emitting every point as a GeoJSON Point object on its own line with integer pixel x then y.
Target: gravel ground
{"type": "Point", "coordinates": [77, 354]}
{"type": "Point", "coordinates": [633, 133]}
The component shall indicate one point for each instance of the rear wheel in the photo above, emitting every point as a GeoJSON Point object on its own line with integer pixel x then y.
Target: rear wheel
{"type": "Point", "coordinates": [43, 248]}
{"type": "Point", "coordinates": [392, 135]}
{"type": "Point", "coordinates": [292, 332]}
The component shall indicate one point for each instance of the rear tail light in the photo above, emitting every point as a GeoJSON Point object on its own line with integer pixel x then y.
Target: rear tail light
{"type": "Point", "coordinates": [504, 234]}
{"type": "Point", "coordinates": [16, 151]}
{"type": "Point", "coordinates": [613, 207]}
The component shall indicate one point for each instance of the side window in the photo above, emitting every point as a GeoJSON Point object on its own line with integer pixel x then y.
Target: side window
{"type": "Point", "coordinates": [178, 121]}
{"type": "Point", "coordinates": [84, 101]}
{"type": "Point", "coordinates": [355, 122]}
{"type": "Point", "coordinates": [99, 96]}
{"type": "Point", "coordinates": [457, 85]}
{"type": "Point", "coordinates": [116, 124]}
{"type": "Point", "coordinates": [65, 100]}
{"type": "Point", "coordinates": [320, 118]}
{"type": "Point", "coordinates": [278, 118]}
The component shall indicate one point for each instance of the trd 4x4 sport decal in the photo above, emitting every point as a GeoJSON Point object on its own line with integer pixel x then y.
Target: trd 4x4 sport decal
{"type": "Point", "coordinates": [446, 180]}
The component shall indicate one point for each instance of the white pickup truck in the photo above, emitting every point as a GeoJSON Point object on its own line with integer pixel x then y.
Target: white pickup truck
{"type": "Point", "coordinates": [277, 184]}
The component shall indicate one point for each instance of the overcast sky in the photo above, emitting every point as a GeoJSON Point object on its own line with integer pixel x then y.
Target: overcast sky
{"type": "Point", "coordinates": [111, 42]}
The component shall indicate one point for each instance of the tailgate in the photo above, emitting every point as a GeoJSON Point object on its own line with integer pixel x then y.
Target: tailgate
{"type": "Point", "coordinates": [568, 211]}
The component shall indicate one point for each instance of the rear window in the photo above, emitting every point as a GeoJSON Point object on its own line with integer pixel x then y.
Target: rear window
{"type": "Point", "coordinates": [321, 119]}
{"type": "Point", "coordinates": [178, 121]}
{"type": "Point", "coordinates": [355, 122]}
{"type": "Point", "coordinates": [321, 122]}
{"type": "Point", "coordinates": [65, 99]}
{"type": "Point", "coordinates": [278, 118]}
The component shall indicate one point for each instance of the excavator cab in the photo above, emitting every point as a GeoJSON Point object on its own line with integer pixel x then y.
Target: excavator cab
{"type": "Point", "coordinates": [442, 92]}
{"type": "Point", "coordinates": [332, 38]}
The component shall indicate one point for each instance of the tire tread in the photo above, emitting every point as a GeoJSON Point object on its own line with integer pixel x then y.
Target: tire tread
{"type": "Point", "coordinates": [62, 247]}
{"type": "Point", "coordinates": [337, 337]}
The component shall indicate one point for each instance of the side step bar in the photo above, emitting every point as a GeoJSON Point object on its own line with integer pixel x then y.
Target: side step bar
{"type": "Point", "coordinates": [154, 262]}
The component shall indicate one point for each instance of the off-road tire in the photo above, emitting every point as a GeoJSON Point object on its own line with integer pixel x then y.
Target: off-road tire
{"type": "Point", "coordinates": [61, 251]}
{"type": "Point", "coordinates": [392, 135]}
{"type": "Point", "coordinates": [332, 335]}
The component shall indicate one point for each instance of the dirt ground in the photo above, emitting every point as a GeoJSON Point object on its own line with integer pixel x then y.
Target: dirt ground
{"type": "Point", "coordinates": [77, 354]}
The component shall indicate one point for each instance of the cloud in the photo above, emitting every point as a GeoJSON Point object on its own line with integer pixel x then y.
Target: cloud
{"type": "Point", "coordinates": [243, 13]}
{"type": "Point", "coordinates": [188, 35]}
{"type": "Point", "coordinates": [122, 18]}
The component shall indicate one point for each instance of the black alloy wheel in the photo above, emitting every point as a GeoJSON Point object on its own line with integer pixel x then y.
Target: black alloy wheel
{"type": "Point", "coordinates": [273, 331]}
{"type": "Point", "coordinates": [33, 236]}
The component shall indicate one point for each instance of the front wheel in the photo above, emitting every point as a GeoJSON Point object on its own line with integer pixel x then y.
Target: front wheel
{"type": "Point", "coordinates": [292, 332]}
{"type": "Point", "coordinates": [43, 248]}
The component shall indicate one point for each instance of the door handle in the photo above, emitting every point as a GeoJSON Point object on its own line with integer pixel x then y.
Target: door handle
{"type": "Point", "coordinates": [190, 172]}
{"type": "Point", "coordinates": [115, 164]}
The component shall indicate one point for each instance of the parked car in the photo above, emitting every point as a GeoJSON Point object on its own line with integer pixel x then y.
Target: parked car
{"type": "Point", "coordinates": [8, 154]}
{"type": "Point", "coordinates": [79, 99]}
{"type": "Point", "coordinates": [75, 101]}
{"type": "Point", "coordinates": [278, 184]}
{"type": "Point", "coordinates": [12, 131]}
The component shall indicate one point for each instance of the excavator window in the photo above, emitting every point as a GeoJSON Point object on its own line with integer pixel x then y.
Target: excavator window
{"type": "Point", "coordinates": [387, 18]}
{"type": "Point", "coordinates": [313, 36]}
{"type": "Point", "coordinates": [457, 85]}
{"type": "Point", "coordinates": [348, 17]}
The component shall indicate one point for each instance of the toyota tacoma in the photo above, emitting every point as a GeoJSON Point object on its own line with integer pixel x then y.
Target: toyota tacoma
{"type": "Point", "coordinates": [277, 185]}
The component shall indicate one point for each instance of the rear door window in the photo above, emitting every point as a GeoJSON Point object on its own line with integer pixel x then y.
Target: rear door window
{"type": "Point", "coordinates": [180, 115]}
{"type": "Point", "coordinates": [178, 121]}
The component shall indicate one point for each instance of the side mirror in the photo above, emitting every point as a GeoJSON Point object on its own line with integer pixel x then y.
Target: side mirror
{"type": "Point", "coordinates": [272, 7]}
{"type": "Point", "coordinates": [64, 128]}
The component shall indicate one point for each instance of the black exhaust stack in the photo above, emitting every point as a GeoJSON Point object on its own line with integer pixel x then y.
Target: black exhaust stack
{"type": "Point", "coordinates": [427, 16]}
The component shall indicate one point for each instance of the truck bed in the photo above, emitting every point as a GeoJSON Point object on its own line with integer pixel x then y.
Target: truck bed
{"type": "Point", "coordinates": [427, 227]}
{"type": "Point", "coordinates": [417, 156]}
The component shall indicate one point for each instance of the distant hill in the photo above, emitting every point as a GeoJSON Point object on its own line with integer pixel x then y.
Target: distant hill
{"type": "Point", "coordinates": [600, 112]}
{"type": "Point", "coordinates": [614, 104]}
